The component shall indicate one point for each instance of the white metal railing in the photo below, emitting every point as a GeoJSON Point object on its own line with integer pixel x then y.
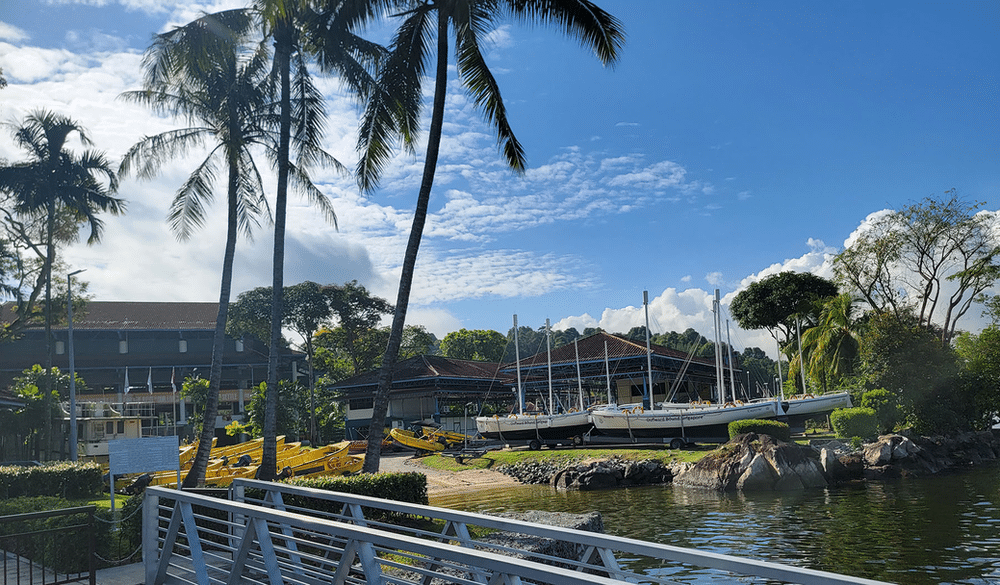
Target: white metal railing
{"type": "Point", "coordinates": [192, 538]}
{"type": "Point", "coordinates": [594, 553]}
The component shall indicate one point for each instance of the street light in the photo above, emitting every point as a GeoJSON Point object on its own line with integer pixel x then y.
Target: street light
{"type": "Point", "coordinates": [72, 365]}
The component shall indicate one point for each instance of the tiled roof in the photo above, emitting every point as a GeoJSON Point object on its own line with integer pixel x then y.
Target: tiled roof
{"type": "Point", "coordinates": [135, 315]}
{"type": "Point", "coordinates": [429, 367]}
{"type": "Point", "coordinates": [592, 349]}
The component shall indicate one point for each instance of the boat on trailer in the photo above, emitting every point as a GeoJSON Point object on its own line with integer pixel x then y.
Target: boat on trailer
{"type": "Point", "coordinates": [537, 428]}
{"type": "Point", "coordinates": [682, 423]}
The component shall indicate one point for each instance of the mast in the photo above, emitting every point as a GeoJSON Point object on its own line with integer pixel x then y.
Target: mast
{"type": "Point", "coordinates": [517, 356]}
{"type": "Point", "coordinates": [802, 365]}
{"type": "Point", "coordinates": [607, 370]}
{"type": "Point", "coordinates": [781, 386]}
{"type": "Point", "coordinates": [719, 378]}
{"type": "Point", "coordinates": [548, 353]}
{"type": "Point", "coordinates": [579, 380]}
{"type": "Point", "coordinates": [649, 353]}
{"type": "Point", "coordinates": [732, 379]}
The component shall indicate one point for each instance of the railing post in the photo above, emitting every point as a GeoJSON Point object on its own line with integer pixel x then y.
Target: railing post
{"type": "Point", "coordinates": [150, 535]}
{"type": "Point", "coordinates": [91, 552]}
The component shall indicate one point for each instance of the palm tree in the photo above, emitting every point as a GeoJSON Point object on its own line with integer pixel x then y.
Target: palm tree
{"type": "Point", "coordinates": [396, 111]}
{"type": "Point", "coordinates": [208, 72]}
{"type": "Point", "coordinates": [56, 183]}
{"type": "Point", "coordinates": [831, 347]}
{"type": "Point", "coordinates": [301, 29]}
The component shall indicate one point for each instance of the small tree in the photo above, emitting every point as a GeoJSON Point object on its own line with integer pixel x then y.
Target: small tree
{"type": "Point", "coordinates": [482, 345]}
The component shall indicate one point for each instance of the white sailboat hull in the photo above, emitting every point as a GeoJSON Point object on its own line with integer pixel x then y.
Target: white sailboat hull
{"type": "Point", "coordinates": [800, 408]}
{"type": "Point", "coordinates": [518, 427]}
{"type": "Point", "coordinates": [688, 422]}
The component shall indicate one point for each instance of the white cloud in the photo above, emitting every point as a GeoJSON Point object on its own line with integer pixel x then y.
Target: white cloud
{"type": "Point", "coordinates": [11, 33]}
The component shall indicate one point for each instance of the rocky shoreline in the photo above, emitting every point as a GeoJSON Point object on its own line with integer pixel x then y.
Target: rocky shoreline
{"type": "Point", "coordinates": [759, 462]}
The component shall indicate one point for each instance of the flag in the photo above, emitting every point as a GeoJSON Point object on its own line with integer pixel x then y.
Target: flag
{"type": "Point", "coordinates": [173, 382]}
{"type": "Point", "coordinates": [126, 380]}
{"type": "Point", "coordinates": [149, 380]}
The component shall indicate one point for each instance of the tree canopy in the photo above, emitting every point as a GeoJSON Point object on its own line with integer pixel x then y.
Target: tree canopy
{"type": "Point", "coordinates": [479, 344]}
{"type": "Point", "coordinates": [773, 302]}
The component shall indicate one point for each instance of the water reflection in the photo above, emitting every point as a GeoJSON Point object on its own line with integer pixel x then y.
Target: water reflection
{"type": "Point", "coordinates": [931, 530]}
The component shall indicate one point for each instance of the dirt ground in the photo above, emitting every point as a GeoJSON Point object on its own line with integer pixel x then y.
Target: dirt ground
{"type": "Point", "coordinates": [444, 482]}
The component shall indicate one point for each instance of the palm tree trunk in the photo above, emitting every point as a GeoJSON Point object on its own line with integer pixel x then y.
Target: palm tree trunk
{"type": "Point", "coordinates": [50, 250]}
{"type": "Point", "coordinates": [381, 404]}
{"type": "Point", "coordinates": [282, 56]}
{"type": "Point", "coordinates": [196, 476]}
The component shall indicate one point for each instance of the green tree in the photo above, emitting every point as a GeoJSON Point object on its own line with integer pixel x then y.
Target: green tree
{"type": "Point", "coordinates": [29, 423]}
{"type": "Point", "coordinates": [402, 79]}
{"type": "Point", "coordinates": [831, 346]}
{"type": "Point", "coordinates": [935, 257]}
{"type": "Point", "coordinates": [198, 390]}
{"type": "Point", "coordinates": [907, 359]}
{"type": "Point", "coordinates": [480, 344]}
{"type": "Point", "coordinates": [774, 302]}
{"type": "Point", "coordinates": [359, 313]}
{"type": "Point", "coordinates": [291, 416]}
{"type": "Point", "coordinates": [55, 182]}
{"type": "Point", "coordinates": [980, 359]}
{"type": "Point", "coordinates": [208, 73]}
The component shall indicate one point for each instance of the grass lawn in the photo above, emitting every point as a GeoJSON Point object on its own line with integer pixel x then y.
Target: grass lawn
{"type": "Point", "coordinates": [566, 456]}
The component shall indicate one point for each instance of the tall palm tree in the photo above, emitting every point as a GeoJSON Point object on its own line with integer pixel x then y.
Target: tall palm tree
{"type": "Point", "coordinates": [396, 111]}
{"type": "Point", "coordinates": [54, 182]}
{"type": "Point", "coordinates": [301, 30]}
{"type": "Point", "coordinates": [210, 74]}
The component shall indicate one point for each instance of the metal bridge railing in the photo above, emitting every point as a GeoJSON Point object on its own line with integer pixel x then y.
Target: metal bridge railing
{"type": "Point", "coordinates": [191, 538]}
{"type": "Point", "coordinates": [478, 534]}
{"type": "Point", "coordinates": [44, 547]}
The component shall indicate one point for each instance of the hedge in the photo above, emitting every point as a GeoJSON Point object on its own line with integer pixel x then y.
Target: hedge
{"type": "Point", "coordinates": [854, 422]}
{"type": "Point", "coordinates": [776, 429]}
{"type": "Point", "coordinates": [410, 487]}
{"type": "Point", "coordinates": [65, 480]}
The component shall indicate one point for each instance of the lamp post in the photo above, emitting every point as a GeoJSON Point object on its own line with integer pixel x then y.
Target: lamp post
{"type": "Point", "coordinates": [72, 365]}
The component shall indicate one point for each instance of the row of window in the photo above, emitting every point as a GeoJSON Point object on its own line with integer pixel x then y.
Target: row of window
{"type": "Point", "coordinates": [182, 346]}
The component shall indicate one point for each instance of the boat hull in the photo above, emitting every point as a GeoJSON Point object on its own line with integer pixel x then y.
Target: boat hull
{"type": "Point", "coordinates": [693, 423]}
{"type": "Point", "coordinates": [527, 427]}
{"type": "Point", "coordinates": [799, 409]}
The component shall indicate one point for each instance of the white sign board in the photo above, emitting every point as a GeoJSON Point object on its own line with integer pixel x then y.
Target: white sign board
{"type": "Point", "coordinates": [150, 455]}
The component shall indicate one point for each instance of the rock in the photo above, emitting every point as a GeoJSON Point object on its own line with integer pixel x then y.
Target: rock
{"type": "Point", "coordinates": [534, 545]}
{"type": "Point", "coordinates": [609, 474]}
{"type": "Point", "coordinates": [756, 462]}
{"type": "Point", "coordinates": [878, 453]}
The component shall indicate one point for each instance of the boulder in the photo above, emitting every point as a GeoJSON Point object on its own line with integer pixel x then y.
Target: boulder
{"type": "Point", "coordinates": [610, 473]}
{"type": "Point", "coordinates": [753, 462]}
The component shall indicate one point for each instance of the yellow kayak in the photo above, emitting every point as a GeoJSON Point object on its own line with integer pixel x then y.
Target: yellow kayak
{"type": "Point", "coordinates": [410, 440]}
{"type": "Point", "coordinates": [450, 437]}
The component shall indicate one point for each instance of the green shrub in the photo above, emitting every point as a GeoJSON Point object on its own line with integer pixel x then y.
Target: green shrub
{"type": "Point", "coordinates": [776, 429]}
{"type": "Point", "coordinates": [403, 487]}
{"type": "Point", "coordinates": [854, 422]}
{"type": "Point", "coordinates": [64, 480]}
{"type": "Point", "coordinates": [886, 407]}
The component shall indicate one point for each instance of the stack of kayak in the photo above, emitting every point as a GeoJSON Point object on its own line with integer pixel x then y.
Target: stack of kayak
{"type": "Point", "coordinates": [242, 459]}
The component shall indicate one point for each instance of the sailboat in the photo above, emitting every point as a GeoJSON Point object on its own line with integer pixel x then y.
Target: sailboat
{"type": "Point", "coordinates": [537, 427]}
{"type": "Point", "coordinates": [681, 423]}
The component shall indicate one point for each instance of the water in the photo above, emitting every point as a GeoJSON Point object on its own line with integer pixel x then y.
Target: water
{"type": "Point", "coordinates": [931, 530]}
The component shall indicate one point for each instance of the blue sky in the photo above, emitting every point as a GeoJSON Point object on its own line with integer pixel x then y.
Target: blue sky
{"type": "Point", "coordinates": [733, 140]}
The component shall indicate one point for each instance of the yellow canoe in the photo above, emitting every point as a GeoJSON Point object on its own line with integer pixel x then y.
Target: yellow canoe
{"type": "Point", "coordinates": [450, 437]}
{"type": "Point", "coordinates": [410, 440]}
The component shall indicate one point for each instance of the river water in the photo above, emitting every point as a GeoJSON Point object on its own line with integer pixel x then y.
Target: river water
{"type": "Point", "coordinates": [942, 529]}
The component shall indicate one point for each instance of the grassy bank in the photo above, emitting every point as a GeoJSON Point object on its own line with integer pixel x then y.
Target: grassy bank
{"type": "Point", "coordinates": [494, 459]}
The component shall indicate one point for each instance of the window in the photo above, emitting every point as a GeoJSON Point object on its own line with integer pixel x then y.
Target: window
{"type": "Point", "coordinates": [123, 346]}
{"type": "Point", "coordinates": [361, 403]}
{"type": "Point", "coordinates": [239, 345]}
{"type": "Point", "coordinates": [60, 347]}
{"type": "Point", "coordinates": [182, 346]}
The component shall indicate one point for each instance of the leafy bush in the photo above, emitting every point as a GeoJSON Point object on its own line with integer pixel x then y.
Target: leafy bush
{"type": "Point", "coordinates": [66, 480]}
{"type": "Point", "coordinates": [854, 422]}
{"type": "Point", "coordinates": [886, 407]}
{"type": "Point", "coordinates": [776, 429]}
{"type": "Point", "coordinates": [403, 487]}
